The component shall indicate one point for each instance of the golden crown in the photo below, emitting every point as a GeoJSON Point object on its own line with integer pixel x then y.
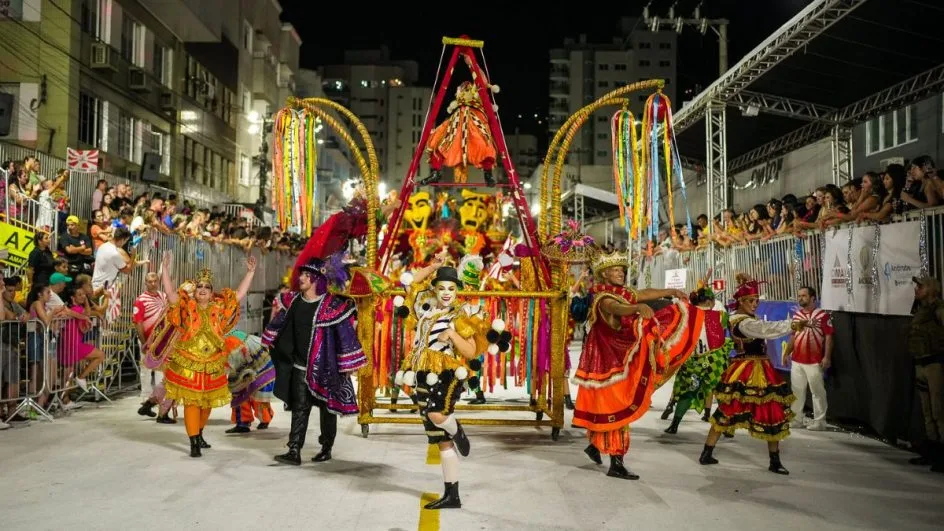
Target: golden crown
{"type": "Point", "coordinates": [205, 276]}
{"type": "Point", "coordinates": [603, 261]}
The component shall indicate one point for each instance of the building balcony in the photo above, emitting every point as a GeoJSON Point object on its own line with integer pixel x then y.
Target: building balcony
{"type": "Point", "coordinates": [560, 72]}
{"type": "Point", "coordinates": [265, 78]}
{"type": "Point", "coordinates": [556, 87]}
{"type": "Point", "coordinates": [190, 20]}
{"type": "Point", "coordinates": [560, 56]}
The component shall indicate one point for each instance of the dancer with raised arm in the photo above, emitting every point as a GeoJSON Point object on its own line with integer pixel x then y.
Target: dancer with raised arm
{"type": "Point", "coordinates": [195, 332]}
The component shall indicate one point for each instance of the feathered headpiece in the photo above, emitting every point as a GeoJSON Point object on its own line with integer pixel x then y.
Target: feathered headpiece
{"type": "Point", "coordinates": [747, 287]}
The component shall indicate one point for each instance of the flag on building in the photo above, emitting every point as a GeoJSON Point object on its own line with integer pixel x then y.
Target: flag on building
{"type": "Point", "coordinates": [82, 160]}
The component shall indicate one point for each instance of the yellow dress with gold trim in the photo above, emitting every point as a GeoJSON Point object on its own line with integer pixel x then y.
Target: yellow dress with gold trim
{"type": "Point", "coordinates": [195, 373]}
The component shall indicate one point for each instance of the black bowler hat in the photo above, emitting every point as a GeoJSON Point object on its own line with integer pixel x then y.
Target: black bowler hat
{"type": "Point", "coordinates": [447, 274]}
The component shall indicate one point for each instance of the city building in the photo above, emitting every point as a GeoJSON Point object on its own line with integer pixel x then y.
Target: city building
{"type": "Point", "coordinates": [137, 77]}
{"type": "Point", "coordinates": [382, 93]}
{"type": "Point", "coordinates": [523, 150]}
{"type": "Point", "coordinates": [581, 72]}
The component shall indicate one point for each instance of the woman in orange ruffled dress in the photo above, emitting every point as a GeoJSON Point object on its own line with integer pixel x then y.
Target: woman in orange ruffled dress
{"type": "Point", "coordinates": [194, 344]}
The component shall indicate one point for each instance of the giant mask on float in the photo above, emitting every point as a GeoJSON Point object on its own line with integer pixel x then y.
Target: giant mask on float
{"type": "Point", "coordinates": [419, 211]}
{"type": "Point", "coordinates": [473, 211]}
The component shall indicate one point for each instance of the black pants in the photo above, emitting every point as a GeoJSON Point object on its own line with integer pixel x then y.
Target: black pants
{"type": "Point", "coordinates": [301, 403]}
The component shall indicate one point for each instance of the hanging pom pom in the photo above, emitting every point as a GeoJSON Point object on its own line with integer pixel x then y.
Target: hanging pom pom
{"type": "Point", "coordinates": [431, 379]}
{"type": "Point", "coordinates": [495, 107]}
{"type": "Point", "coordinates": [504, 337]}
{"type": "Point", "coordinates": [462, 373]}
{"type": "Point", "coordinates": [409, 379]}
{"type": "Point", "coordinates": [493, 349]}
{"type": "Point", "coordinates": [406, 278]}
{"type": "Point", "coordinates": [475, 365]}
{"type": "Point", "coordinates": [425, 307]}
{"type": "Point", "coordinates": [495, 89]}
{"type": "Point", "coordinates": [398, 300]}
{"type": "Point", "coordinates": [403, 312]}
{"type": "Point", "coordinates": [398, 378]}
{"type": "Point", "coordinates": [498, 325]}
{"type": "Point", "coordinates": [492, 336]}
{"type": "Point", "coordinates": [474, 382]}
{"type": "Point", "coordinates": [503, 346]}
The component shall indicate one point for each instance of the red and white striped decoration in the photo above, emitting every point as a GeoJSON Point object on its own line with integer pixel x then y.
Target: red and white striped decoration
{"type": "Point", "coordinates": [82, 160]}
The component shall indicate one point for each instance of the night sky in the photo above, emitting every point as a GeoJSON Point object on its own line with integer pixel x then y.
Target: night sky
{"type": "Point", "coordinates": [517, 40]}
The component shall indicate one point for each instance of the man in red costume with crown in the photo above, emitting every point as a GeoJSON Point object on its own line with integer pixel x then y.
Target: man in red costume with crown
{"type": "Point", "coordinates": [626, 354]}
{"type": "Point", "coordinates": [751, 395]}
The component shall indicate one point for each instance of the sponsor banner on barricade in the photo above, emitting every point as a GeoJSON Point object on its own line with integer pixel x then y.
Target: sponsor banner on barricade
{"type": "Point", "coordinates": [776, 311]}
{"type": "Point", "coordinates": [18, 243]}
{"type": "Point", "coordinates": [877, 263]}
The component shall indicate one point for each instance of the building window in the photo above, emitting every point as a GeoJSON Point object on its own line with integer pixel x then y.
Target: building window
{"type": "Point", "coordinates": [90, 120]}
{"type": "Point", "coordinates": [247, 36]}
{"type": "Point", "coordinates": [245, 169]}
{"type": "Point", "coordinates": [891, 130]}
{"type": "Point", "coordinates": [644, 62]}
{"type": "Point", "coordinates": [619, 67]}
{"type": "Point", "coordinates": [602, 119]}
{"type": "Point", "coordinates": [603, 67]}
{"type": "Point", "coordinates": [125, 134]}
{"type": "Point", "coordinates": [665, 63]}
{"type": "Point", "coordinates": [645, 45]}
{"type": "Point", "coordinates": [602, 153]}
{"type": "Point", "coordinates": [665, 45]}
{"type": "Point", "coordinates": [602, 136]}
{"type": "Point", "coordinates": [89, 17]}
{"type": "Point", "coordinates": [603, 84]}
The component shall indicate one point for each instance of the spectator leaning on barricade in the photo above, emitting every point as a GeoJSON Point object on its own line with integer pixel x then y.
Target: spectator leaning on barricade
{"type": "Point", "coordinates": [99, 194]}
{"type": "Point", "coordinates": [41, 260]}
{"type": "Point", "coordinates": [810, 349]}
{"type": "Point", "coordinates": [111, 259]}
{"type": "Point", "coordinates": [926, 346]}
{"type": "Point", "coordinates": [920, 190]}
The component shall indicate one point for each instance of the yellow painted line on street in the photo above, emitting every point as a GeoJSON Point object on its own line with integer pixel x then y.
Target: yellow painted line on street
{"type": "Point", "coordinates": [429, 520]}
{"type": "Point", "coordinates": [432, 455]}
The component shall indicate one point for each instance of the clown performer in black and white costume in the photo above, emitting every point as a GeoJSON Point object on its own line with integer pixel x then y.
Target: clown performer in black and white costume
{"type": "Point", "coordinates": [449, 338]}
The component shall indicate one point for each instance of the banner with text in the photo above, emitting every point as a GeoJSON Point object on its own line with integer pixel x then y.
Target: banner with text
{"type": "Point", "coordinates": [877, 263]}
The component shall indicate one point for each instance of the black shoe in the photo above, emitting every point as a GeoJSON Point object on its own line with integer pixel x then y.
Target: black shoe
{"type": "Point", "coordinates": [165, 419]}
{"type": "Point", "coordinates": [673, 428]}
{"type": "Point", "coordinates": [594, 454]}
{"type": "Point", "coordinates": [434, 177]}
{"type": "Point", "coordinates": [323, 455]}
{"type": "Point", "coordinates": [668, 410]}
{"type": "Point", "coordinates": [238, 429]}
{"type": "Point", "coordinates": [707, 416]}
{"type": "Point", "coordinates": [706, 457]}
{"type": "Point", "coordinates": [618, 470]}
{"type": "Point", "coordinates": [203, 443]}
{"type": "Point", "coordinates": [776, 466]}
{"type": "Point", "coordinates": [292, 457]}
{"type": "Point", "coordinates": [195, 446]}
{"type": "Point", "coordinates": [461, 440]}
{"type": "Point", "coordinates": [449, 500]}
{"type": "Point", "coordinates": [147, 409]}
{"type": "Point", "coordinates": [479, 398]}
{"type": "Point", "coordinates": [489, 180]}
{"type": "Point", "coordinates": [263, 426]}
{"type": "Point", "coordinates": [568, 402]}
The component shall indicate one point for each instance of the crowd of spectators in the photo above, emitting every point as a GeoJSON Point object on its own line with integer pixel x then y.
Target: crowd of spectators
{"type": "Point", "coordinates": [875, 197]}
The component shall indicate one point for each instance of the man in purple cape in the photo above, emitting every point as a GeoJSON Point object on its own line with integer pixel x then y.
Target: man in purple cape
{"type": "Point", "coordinates": [314, 347]}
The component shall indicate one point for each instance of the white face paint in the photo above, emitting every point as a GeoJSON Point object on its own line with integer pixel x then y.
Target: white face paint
{"type": "Point", "coordinates": [446, 293]}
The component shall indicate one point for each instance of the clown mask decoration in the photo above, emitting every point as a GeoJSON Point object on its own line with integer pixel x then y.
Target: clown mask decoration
{"type": "Point", "coordinates": [417, 215]}
{"type": "Point", "coordinates": [473, 212]}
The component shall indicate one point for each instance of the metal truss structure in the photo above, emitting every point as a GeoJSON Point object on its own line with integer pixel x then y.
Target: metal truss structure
{"type": "Point", "coordinates": [717, 177]}
{"type": "Point", "coordinates": [913, 89]}
{"type": "Point", "coordinates": [842, 154]}
{"type": "Point", "coordinates": [806, 25]}
{"type": "Point", "coordinates": [780, 106]}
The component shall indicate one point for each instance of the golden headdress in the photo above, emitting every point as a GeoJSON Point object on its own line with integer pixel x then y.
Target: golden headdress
{"type": "Point", "coordinates": [603, 261]}
{"type": "Point", "coordinates": [205, 276]}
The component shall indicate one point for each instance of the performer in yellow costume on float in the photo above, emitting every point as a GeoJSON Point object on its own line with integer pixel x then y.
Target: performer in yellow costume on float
{"type": "Point", "coordinates": [193, 341]}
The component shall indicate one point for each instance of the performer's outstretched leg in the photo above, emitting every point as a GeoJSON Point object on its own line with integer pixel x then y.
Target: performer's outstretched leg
{"type": "Point", "coordinates": [204, 417]}
{"type": "Point", "coordinates": [680, 408]}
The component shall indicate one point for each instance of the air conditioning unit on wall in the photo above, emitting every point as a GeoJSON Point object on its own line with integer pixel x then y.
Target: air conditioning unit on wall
{"type": "Point", "coordinates": [101, 57]}
{"type": "Point", "coordinates": [884, 163]}
{"type": "Point", "coordinates": [138, 80]}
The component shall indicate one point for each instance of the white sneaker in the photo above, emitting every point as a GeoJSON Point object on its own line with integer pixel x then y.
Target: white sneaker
{"type": "Point", "coordinates": [83, 385]}
{"type": "Point", "coordinates": [817, 426]}
{"type": "Point", "coordinates": [71, 405]}
{"type": "Point", "coordinates": [4, 425]}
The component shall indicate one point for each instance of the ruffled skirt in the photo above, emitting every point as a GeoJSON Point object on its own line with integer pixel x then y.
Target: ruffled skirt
{"type": "Point", "coordinates": [753, 396]}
